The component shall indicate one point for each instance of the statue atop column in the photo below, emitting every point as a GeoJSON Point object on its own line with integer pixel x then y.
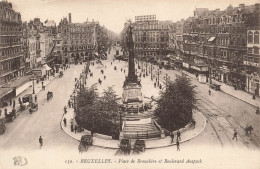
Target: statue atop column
{"type": "Point", "coordinates": [132, 87]}
{"type": "Point", "coordinates": [132, 77]}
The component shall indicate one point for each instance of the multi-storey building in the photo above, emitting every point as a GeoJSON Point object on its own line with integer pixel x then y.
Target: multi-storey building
{"type": "Point", "coordinates": [79, 40]}
{"type": "Point", "coordinates": [151, 37]}
{"type": "Point", "coordinates": [218, 39]}
{"type": "Point", "coordinates": [11, 56]}
{"type": "Point", "coordinates": [25, 46]}
{"type": "Point", "coordinates": [252, 60]}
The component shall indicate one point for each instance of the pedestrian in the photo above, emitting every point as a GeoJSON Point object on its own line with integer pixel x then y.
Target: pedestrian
{"type": "Point", "coordinates": [14, 104]}
{"type": "Point", "coordinates": [71, 126]}
{"type": "Point", "coordinates": [42, 84]}
{"type": "Point", "coordinates": [209, 92]}
{"type": "Point", "coordinates": [257, 110]}
{"type": "Point", "coordinates": [35, 98]}
{"type": "Point", "coordinates": [69, 104]}
{"type": "Point", "coordinates": [160, 86]}
{"type": "Point", "coordinates": [253, 97]}
{"type": "Point", "coordinates": [154, 84]}
{"type": "Point", "coordinates": [178, 135]}
{"type": "Point", "coordinates": [10, 102]}
{"type": "Point", "coordinates": [5, 111]}
{"type": "Point", "coordinates": [124, 70]}
{"type": "Point", "coordinates": [246, 130]}
{"type": "Point", "coordinates": [92, 131]}
{"type": "Point", "coordinates": [178, 145]}
{"type": "Point", "coordinates": [65, 122]}
{"type": "Point", "coordinates": [172, 137]}
{"type": "Point", "coordinates": [250, 128]}
{"type": "Point", "coordinates": [20, 101]}
{"type": "Point", "coordinates": [41, 141]}
{"type": "Point", "coordinates": [105, 77]}
{"type": "Point", "coordinates": [235, 135]}
{"type": "Point", "coordinates": [65, 109]}
{"type": "Point", "coordinates": [76, 127]}
{"type": "Point", "coordinates": [194, 123]}
{"type": "Point", "coordinates": [111, 63]}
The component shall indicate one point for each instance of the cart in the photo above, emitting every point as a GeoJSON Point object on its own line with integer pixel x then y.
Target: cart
{"type": "Point", "coordinates": [139, 146]}
{"type": "Point", "coordinates": [11, 116]}
{"type": "Point", "coordinates": [215, 86]}
{"type": "Point", "coordinates": [27, 98]}
{"type": "Point", "coordinates": [49, 95]}
{"type": "Point", "coordinates": [33, 108]}
{"type": "Point", "coordinates": [85, 142]}
{"type": "Point", "coordinates": [124, 147]}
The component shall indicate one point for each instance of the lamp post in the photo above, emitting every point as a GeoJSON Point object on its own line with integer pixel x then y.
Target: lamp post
{"type": "Point", "coordinates": [158, 76]}
{"type": "Point", "coordinates": [33, 85]}
{"type": "Point", "coordinates": [120, 113]}
{"type": "Point", "coordinates": [151, 72]}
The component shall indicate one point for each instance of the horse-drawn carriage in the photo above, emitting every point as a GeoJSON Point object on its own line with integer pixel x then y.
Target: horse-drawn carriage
{"type": "Point", "coordinates": [61, 74]}
{"type": "Point", "coordinates": [2, 126]}
{"type": "Point", "coordinates": [85, 142]}
{"type": "Point", "coordinates": [11, 115]}
{"type": "Point", "coordinates": [124, 147]}
{"type": "Point", "coordinates": [139, 146]}
{"type": "Point", "coordinates": [49, 95]}
{"type": "Point", "coordinates": [33, 107]}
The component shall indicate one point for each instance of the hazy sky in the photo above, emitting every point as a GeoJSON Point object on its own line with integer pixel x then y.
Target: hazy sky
{"type": "Point", "coordinates": [113, 13]}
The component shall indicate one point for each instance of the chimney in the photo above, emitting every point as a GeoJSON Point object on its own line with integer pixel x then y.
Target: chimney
{"type": "Point", "coordinates": [69, 17]}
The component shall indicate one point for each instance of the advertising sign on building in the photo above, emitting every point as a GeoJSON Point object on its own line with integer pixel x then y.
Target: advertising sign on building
{"type": "Point", "coordinates": [185, 65]}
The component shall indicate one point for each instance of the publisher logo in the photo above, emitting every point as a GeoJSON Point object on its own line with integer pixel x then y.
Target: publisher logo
{"type": "Point", "coordinates": [20, 161]}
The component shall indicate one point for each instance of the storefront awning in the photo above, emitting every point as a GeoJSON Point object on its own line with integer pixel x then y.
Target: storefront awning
{"type": "Point", "coordinates": [212, 39]}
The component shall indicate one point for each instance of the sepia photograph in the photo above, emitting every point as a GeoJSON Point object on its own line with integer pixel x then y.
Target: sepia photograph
{"type": "Point", "coordinates": [122, 84]}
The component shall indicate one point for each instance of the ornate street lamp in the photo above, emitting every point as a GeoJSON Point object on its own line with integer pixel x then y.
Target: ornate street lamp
{"type": "Point", "coordinates": [33, 85]}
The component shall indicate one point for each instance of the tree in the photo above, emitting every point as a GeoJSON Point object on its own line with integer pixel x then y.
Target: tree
{"type": "Point", "coordinates": [101, 113]}
{"type": "Point", "coordinates": [175, 105]}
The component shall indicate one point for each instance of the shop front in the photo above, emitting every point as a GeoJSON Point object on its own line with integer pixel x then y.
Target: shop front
{"type": "Point", "coordinates": [252, 83]}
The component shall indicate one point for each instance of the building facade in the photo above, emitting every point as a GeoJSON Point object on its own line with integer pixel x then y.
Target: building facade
{"type": "Point", "coordinates": [12, 61]}
{"type": "Point", "coordinates": [252, 61]}
{"type": "Point", "coordinates": [151, 37]}
{"type": "Point", "coordinates": [218, 39]}
{"type": "Point", "coordinates": [78, 40]}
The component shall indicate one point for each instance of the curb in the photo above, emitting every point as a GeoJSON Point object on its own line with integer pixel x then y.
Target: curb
{"type": "Point", "coordinates": [239, 99]}
{"type": "Point", "coordinates": [172, 144]}
{"type": "Point", "coordinates": [19, 111]}
{"type": "Point", "coordinates": [230, 94]}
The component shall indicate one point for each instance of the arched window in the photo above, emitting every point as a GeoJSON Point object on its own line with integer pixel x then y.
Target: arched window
{"type": "Point", "coordinates": [256, 37]}
{"type": "Point", "coordinates": [250, 37]}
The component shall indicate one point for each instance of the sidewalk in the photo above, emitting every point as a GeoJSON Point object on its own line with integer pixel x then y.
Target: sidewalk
{"type": "Point", "coordinates": [186, 133]}
{"type": "Point", "coordinates": [37, 89]}
{"type": "Point", "coordinates": [239, 94]}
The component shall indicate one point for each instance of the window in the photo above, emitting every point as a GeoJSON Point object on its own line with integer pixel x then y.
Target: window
{"type": "Point", "coordinates": [256, 50]}
{"type": "Point", "coordinates": [256, 37]}
{"type": "Point", "coordinates": [250, 37]}
{"type": "Point", "coordinates": [249, 50]}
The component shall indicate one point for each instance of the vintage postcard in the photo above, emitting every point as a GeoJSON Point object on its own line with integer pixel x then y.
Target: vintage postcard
{"type": "Point", "coordinates": [129, 84]}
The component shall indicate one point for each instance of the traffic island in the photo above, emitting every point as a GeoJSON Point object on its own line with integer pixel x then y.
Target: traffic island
{"type": "Point", "coordinates": [187, 133]}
